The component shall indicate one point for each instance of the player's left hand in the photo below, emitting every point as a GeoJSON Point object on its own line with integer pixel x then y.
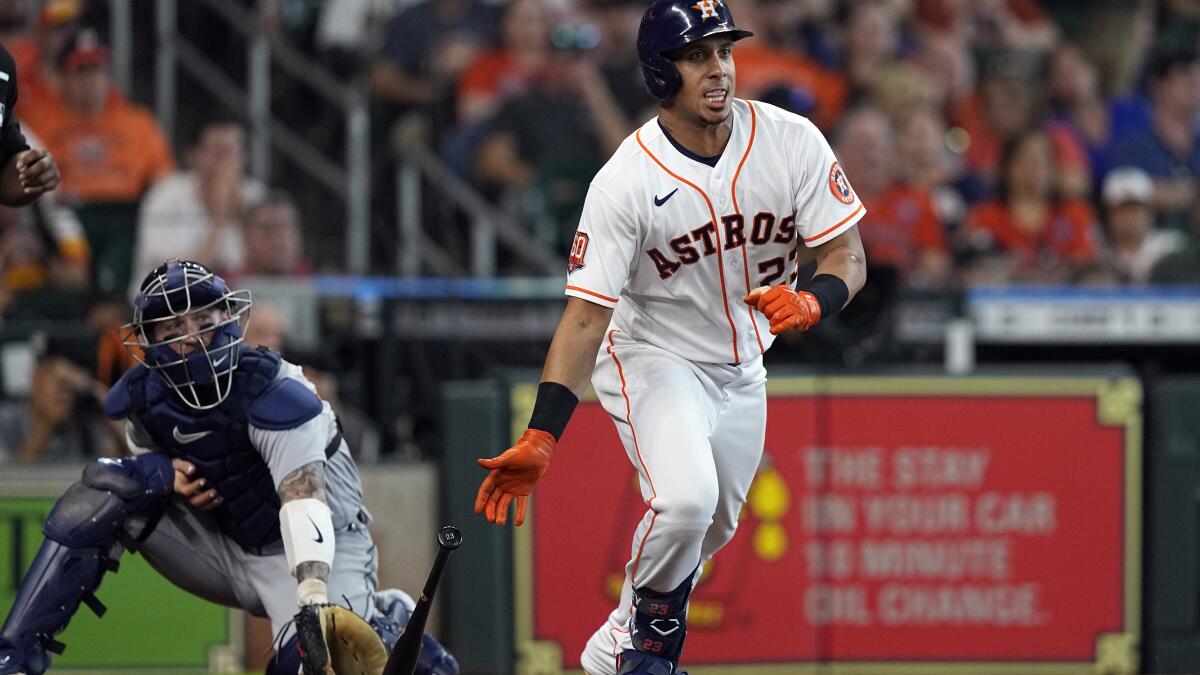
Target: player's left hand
{"type": "Point", "coordinates": [37, 171]}
{"type": "Point", "coordinates": [785, 308]}
{"type": "Point", "coordinates": [512, 476]}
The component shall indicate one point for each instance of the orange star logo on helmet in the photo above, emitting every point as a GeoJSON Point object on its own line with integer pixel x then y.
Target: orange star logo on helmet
{"type": "Point", "coordinates": [707, 8]}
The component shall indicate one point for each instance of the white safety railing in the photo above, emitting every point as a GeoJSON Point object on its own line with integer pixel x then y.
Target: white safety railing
{"type": "Point", "coordinates": [421, 170]}
{"type": "Point", "coordinates": [348, 177]}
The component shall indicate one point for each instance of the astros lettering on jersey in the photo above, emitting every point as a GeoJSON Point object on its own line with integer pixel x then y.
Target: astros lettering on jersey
{"type": "Point", "coordinates": [679, 242]}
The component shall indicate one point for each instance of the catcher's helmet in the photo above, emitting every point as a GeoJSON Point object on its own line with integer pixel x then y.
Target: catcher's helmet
{"type": "Point", "coordinates": [671, 24]}
{"type": "Point", "coordinates": [197, 363]}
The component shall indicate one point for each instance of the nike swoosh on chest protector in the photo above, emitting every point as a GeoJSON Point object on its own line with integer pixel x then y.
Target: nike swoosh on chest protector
{"type": "Point", "coordinates": [188, 438]}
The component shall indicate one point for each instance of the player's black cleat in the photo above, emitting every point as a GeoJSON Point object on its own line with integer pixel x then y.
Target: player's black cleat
{"type": "Point", "coordinates": [633, 662]}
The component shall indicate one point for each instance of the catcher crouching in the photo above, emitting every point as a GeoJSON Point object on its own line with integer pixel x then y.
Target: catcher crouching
{"type": "Point", "coordinates": [240, 490]}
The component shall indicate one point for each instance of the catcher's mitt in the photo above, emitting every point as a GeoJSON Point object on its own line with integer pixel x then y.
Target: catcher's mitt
{"type": "Point", "coordinates": [336, 641]}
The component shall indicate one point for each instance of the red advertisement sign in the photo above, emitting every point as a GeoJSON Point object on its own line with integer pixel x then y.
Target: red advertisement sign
{"type": "Point", "coordinates": [963, 522]}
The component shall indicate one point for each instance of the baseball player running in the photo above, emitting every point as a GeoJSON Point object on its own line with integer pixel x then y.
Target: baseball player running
{"type": "Point", "coordinates": [241, 491]}
{"type": "Point", "coordinates": [679, 279]}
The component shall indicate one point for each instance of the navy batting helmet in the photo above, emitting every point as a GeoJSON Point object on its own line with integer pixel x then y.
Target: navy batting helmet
{"type": "Point", "coordinates": [671, 24]}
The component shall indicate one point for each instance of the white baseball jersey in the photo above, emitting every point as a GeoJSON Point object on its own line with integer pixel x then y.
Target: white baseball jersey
{"type": "Point", "coordinates": [679, 242]}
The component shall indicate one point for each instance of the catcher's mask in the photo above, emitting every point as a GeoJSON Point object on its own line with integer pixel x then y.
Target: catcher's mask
{"type": "Point", "coordinates": [187, 326]}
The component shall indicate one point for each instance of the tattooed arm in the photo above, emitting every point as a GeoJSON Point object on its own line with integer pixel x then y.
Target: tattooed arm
{"type": "Point", "coordinates": [307, 529]}
{"type": "Point", "coordinates": [307, 481]}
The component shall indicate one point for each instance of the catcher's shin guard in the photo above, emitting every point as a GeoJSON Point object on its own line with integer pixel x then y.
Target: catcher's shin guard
{"type": "Point", "coordinates": [113, 497]}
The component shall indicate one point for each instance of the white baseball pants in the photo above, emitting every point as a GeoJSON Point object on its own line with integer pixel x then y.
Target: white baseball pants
{"type": "Point", "coordinates": [694, 432]}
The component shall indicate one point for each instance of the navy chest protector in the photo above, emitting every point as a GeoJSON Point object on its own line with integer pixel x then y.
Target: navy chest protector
{"type": "Point", "coordinates": [217, 441]}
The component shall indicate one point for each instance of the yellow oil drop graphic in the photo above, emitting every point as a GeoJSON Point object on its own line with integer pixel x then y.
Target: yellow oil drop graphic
{"type": "Point", "coordinates": [770, 542]}
{"type": "Point", "coordinates": [769, 495]}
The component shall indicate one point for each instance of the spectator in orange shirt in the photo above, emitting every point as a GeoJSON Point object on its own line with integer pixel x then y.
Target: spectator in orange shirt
{"type": "Point", "coordinates": [1030, 234]}
{"type": "Point", "coordinates": [109, 149]}
{"type": "Point", "coordinates": [37, 55]}
{"type": "Point", "coordinates": [496, 74]}
{"type": "Point", "coordinates": [933, 163]}
{"type": "Point", "coordinates": [110, 152]}
{"type": "Point", "coordinates": [901, 229]}
{"type": "Point", "coordinates": [1011, 99]}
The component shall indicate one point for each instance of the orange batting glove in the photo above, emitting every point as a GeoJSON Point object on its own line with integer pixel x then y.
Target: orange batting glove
{"type": "Point", "coordinates": [513, 475]}
{"type": "Point", "coordinates": [785, 308]}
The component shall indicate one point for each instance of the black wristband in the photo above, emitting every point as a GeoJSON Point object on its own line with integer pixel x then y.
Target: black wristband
{"type": "Point", "coordinates": [553, 408]}
{"type": "Point", "coordinates": [831, 293]}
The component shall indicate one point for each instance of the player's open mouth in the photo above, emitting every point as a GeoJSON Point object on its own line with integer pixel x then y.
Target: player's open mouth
{"type": "Point", "coordinates": [716, 96]}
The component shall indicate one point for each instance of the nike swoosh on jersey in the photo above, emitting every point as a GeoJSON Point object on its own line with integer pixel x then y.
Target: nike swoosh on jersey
{"type": "Point", "coordinates": [660, 202]}
{"type": "Point", "coordinates": [188, 438]}
{"type": "Point", "coordinates": [320, 537]}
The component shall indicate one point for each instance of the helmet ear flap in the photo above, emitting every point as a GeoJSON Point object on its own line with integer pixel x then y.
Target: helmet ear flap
{"type": "Point", "coordinates": [662, 78]}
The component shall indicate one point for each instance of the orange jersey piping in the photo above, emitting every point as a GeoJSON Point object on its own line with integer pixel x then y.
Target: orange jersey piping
{"type": "Point", "coordinates": [716, 230]}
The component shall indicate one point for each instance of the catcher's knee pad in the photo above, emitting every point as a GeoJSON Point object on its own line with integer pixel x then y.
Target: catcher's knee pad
{"type": "Point", "coordinates": [80, 532]}
{"type": "Point", "coordinates": [117, 498]}
{"type": "Point", "coordinates": [659, 623]}
{"type": "Point", "coordinates": [394, 607]}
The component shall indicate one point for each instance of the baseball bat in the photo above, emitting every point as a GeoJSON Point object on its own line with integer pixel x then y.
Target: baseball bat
{"type": "Point", "coordinates": [406, 651]}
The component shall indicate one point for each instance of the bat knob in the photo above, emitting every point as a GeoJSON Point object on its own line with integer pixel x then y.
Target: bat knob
{"type": "Point", "coordinates": [449, 537]}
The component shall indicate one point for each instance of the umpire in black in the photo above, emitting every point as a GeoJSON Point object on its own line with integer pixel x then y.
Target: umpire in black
{"type": "Point", "coordinates": [25, 174]}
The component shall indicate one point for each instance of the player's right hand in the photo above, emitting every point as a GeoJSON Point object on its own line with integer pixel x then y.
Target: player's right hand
{"type": "Point", "coordinates": [786, 308]}
{"type": "Point", "coordinates": [513, 475]}
{"type": "Point", "coordinates": [192, 488]}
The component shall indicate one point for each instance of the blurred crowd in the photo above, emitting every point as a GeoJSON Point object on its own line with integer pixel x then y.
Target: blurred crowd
{"type": "Point", "coordinates": [70, 263]}
{"type": "Point", "coordinates": [993, 142]}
